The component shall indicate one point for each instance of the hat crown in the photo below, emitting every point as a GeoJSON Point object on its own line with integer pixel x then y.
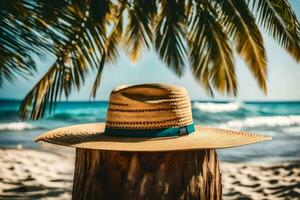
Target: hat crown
{"type": "Point", "coordinates": [149, 106]}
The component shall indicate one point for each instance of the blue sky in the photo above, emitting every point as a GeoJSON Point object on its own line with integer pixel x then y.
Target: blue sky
{"type": "Point", "coordinates": [283, 76]}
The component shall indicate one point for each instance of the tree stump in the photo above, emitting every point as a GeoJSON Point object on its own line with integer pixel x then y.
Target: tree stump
{"type": "Point", "coordinates": [139, 175]}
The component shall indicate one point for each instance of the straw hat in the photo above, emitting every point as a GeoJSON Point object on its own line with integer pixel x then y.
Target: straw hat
{"type": "Point", "coordinates": [148, 117]}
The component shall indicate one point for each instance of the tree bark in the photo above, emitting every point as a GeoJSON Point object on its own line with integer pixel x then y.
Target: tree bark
{"type": "Point", "coordinates": [136, 175]}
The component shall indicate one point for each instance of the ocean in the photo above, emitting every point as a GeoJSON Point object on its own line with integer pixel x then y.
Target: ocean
{"type": "Point", "coordinates": [281, 120]}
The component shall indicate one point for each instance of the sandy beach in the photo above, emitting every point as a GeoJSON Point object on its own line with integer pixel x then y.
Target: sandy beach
{"type": "Point", "coordinates": [261, 181]}
{"type": "Point", "coordinates": [31, 174]}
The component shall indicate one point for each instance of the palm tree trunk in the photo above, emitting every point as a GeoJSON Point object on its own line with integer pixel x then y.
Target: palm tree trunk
{"type": "Point", "coordinates": [132, 175]}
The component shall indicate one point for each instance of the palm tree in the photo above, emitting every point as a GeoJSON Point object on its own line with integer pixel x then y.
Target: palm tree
{"type": "Point", "coordinates": [84, 35]}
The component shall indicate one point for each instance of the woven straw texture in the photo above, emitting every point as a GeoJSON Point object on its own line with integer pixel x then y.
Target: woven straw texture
{"type": "Point", "coordinates": [91, 136]}
{"type": "Point", "coordinates": [143, 107]}
{"type": "Point", "coordinates": [149, 106]}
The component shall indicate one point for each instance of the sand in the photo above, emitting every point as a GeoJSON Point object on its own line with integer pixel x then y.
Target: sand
{"type": "Point", "coordinates": [30, 174]}
{"type": "Point", "coordinates": [261, 181]}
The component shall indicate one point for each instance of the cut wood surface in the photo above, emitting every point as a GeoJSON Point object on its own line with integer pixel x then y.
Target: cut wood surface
{"type": "Point", "coordinates": [137, 175]}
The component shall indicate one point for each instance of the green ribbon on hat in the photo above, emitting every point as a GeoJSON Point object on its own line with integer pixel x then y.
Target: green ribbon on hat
{"type": "Point", "coordinates": [162, 132]}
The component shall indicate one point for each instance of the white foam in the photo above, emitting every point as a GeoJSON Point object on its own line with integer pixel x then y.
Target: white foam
{"type": "Point", "coordinates": [217, 107]}
{"type": "Point", "coordinates": [16, 126]}
{"type": "Point", "coordinates": [272, 121]}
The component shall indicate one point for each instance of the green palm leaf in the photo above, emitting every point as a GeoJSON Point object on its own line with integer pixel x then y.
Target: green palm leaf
{"type": "Point", "coordinates": [110, 51]}
{"type": "Point", "coordinates": [170, 35]}
{"type": "Point", "coordinates": [76, 56]}
{"type": "Point", "coordinates": [18, 40]}
{"type": "Point", "coordinates": [211, 55]}
{"type": "Point", "coordinates": [138, 32]}
{"type": "Point", "coordinates": [248, 41]}
{"type": "Point", "coordinates": [84, 35]}
{"type": "Point", "coordinates": [278, 18]}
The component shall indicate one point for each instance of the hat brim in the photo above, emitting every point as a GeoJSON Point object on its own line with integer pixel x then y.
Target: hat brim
{"type": "Point", "coordinates": [91, 136]}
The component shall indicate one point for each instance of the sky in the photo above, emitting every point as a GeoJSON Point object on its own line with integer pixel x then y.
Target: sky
{"type": "Point", "coordinates": [283, 76]}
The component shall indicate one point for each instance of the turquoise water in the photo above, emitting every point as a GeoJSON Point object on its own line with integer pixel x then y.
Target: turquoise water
{"type": "Point", "coordinates": [281, 120]}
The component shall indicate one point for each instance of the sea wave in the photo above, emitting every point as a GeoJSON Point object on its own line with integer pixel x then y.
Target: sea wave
{"type": "Point", "coordinates": [270, 121]}
{"type": "Point", "coordinates": [16, 126]}
{"type": "Point", "coordinates": [217, 107]}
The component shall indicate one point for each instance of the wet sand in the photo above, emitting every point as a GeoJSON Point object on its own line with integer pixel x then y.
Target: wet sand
{"type": "Point", "coordinates": [30, 174]}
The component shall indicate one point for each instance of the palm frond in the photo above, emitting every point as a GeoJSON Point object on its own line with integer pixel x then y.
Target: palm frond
{"type": "Point", "coordinates": [84, 35]}
{"type": "Point", "coordinates": [170, 35]}
{"type": "Point", "coordinates": [278, 18]}
{"type": "Point", "coordinates": [76, 55]}
{"type": "Point", "coordinates": [115, 36]}
{"type": "Point", "coordinates": [110, 51]}
{"type": "Point", "coordinates": [210, 52]}
{"type": "Point", "coordinates": [138, 32]}
{"type": "Point", "coordinates": [18, 40]}
{"type": "Point", "coordinates": [48, 87]}
{"type": "Point", "coordinates": [242, 29]}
